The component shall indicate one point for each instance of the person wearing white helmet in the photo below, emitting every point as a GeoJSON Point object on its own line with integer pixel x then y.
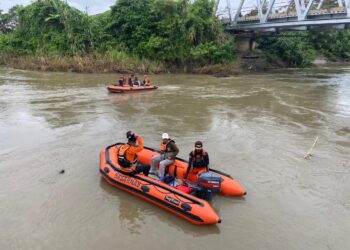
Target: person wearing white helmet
{"type": "Point", "coordinates": [168, 152]}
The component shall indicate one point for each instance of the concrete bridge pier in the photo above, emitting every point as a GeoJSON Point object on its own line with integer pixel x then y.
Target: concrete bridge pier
{"type": "Point", "coordinates": [245, 42]}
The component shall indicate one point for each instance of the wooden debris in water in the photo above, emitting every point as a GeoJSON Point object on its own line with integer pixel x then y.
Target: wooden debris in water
{"type": "Point", "coordinates": [308, 153]}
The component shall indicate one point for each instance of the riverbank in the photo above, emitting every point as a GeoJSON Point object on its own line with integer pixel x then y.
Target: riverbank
{"type": "Point", "coordinates": [245, 63]}
{"type": "Point", "coordinates": [81, 64]}
{"type": "Point", "coordinates": [106, 64]}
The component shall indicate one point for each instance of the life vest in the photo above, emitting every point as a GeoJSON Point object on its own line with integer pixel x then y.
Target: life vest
{"type": "Point", "coordinates": [198, 159]}
{"type": "Point", "coordinates": [194, 174]}
{"type": "Point", "coordinates": [124, 163]}
{"type": "Point", "coordinates": [164, 147]}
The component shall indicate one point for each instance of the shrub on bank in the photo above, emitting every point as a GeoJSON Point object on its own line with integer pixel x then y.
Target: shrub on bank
{"type": "Point", "coordinates": [332, 43]}
{"type": "Point", "coordinates": [133, 34]}
{"type": "Point", "coordinates": [294, 50]}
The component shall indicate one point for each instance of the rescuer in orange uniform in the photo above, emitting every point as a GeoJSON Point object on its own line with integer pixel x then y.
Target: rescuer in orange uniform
{"type": "Point", "coordinates": [127, 158]}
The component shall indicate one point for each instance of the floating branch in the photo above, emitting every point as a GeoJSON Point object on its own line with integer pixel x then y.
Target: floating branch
{"type": "Point", "coordinates": [308, 153]}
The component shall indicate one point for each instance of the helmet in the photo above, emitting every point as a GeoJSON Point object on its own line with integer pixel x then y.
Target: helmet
{"type": "Point", "coordinates": [165, 136]}
{"type": "Point", "coordinates": [198, 144]}
{"type": "Point", "coordinates": [129, 134]}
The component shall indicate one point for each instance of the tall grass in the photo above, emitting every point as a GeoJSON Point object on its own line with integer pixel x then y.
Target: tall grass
{"type": "Point", "coordinates": [129, 63]}
{"type": "Point", "coordinates": [111, 62]}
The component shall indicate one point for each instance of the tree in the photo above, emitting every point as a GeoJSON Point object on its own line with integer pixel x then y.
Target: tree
{"type": "Point", "coordinates": [52, 27]}
{"type": "Point", "coordinates": [131, 22]}
{"type": "Point", "coordinates": [176, 32]}
{"type": "Point", "coordinates": [332, 43]}
{"type": "Point", "coordinates": [167, 30]}
{"type": "Point", "coordinates": [295, 50]}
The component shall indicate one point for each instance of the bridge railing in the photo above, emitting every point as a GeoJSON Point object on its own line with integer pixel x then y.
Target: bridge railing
{"type": "Point", "coordinates": [292, 14]}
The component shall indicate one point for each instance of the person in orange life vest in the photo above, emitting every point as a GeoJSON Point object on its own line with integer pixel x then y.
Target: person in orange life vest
{"type": "Point", "coordinates": [197, 163]}
{"type": "Point", "coordinates": [146, 80]}
{"type": "Point", "coordinates": [122, 80]}
{"type": "Point", "coordinates": [168, 152]}
{"type": "Point", "coordinates": [127, 158]}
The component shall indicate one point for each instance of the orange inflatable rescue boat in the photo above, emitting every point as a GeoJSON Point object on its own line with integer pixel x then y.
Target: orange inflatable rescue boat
{"type": "Point", "coordinates": [174, 198]}
{"type": "Point", "coordinates": [127, 88]}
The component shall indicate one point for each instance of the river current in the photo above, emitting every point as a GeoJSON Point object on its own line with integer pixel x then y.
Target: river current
{"type": "Point", "coordinates": [255, 127]}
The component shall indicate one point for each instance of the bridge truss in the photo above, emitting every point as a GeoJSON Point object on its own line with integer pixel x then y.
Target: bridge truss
{"type": "Point", "coordinates": [275, 15]}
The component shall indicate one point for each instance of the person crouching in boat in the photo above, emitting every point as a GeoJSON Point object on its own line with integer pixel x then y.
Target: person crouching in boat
{"type": "Point", "coordinates": [168, 152]}
{"type": "Point", "coordinates": [127, 158]}
{"type": "Point", "coordinates": [197, 163]}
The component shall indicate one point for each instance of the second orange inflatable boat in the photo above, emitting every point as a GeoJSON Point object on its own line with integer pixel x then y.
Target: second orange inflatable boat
{"type": "Point", "coordinates": [128, 88]}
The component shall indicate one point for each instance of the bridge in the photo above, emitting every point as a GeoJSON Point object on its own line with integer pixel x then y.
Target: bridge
{"type": "Point", "coordinates": [247, 16]}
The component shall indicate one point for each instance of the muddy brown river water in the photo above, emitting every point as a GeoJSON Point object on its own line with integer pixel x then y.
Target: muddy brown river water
{"type": "Point", "coordinates": [255, 127]}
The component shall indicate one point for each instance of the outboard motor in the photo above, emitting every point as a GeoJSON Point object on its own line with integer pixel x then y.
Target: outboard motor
{"type": "Point", "coordinates": [208, 183]}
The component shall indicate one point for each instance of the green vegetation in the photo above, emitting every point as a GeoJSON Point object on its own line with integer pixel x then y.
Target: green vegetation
{"type": "Point", "coordinates": [171, 31]}
{"type": "Point", "coordinates": [298, 49]}
{"type": "Point", "coordinates": [293, 48]}
{"type": "Point", "coordinates": [52, 28]}
{"type": "Point", "coordinates": [331, 43]}
{"type": "Point", "coordinates": [145, 35]}
{"type": "Point", "coordinates": [163, 32]}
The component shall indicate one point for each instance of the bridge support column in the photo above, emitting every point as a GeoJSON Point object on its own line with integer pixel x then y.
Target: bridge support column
{"type": "Point", "coordinates": [245, 42]}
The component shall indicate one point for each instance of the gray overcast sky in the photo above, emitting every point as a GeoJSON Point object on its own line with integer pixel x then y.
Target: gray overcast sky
{"type": "Point", "coordinates": [99, 6]}
{"type": "Point", "coordinates": [94, 6]}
